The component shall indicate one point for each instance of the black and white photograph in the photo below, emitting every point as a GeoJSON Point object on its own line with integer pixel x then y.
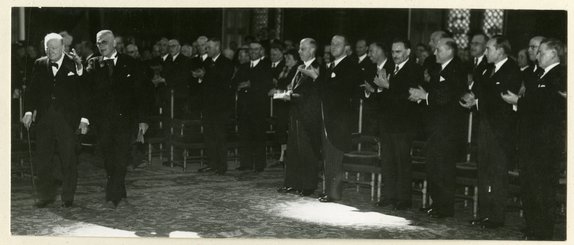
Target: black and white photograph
{"type": "Point", "coordinates": [223, 124]}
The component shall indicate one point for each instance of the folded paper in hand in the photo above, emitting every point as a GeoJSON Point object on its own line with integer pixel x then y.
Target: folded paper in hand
{"type": "Point", "coordinates": [282, 95]}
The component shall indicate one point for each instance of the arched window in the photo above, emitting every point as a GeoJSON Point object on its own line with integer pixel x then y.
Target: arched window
{"type": "Point", "coordinates": [493, 21]}
{"type": "Point", "coordinates": [459, 25]}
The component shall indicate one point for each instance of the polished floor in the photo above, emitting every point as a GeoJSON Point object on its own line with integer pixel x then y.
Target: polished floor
{"type": "Point", "coordinates": [167, 202]}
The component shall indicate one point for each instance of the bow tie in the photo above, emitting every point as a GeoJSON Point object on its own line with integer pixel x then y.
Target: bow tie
{"type": "Point", "coordinates": [54, 64]}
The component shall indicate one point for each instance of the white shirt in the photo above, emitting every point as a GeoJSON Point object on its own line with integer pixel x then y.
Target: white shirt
{"type": "Point", "coordinates": [115, 57]}
{"type": "Point", "coordinates": [275, 64]}
{"type": "Point", "coordinates": [55, 71]}
{"type": "Point", "coordinates": [164, 57]}
{"type": "Point", "coordinates": [548, 68]}
{"type": "Point", "coordinates": [479, 59]}
{"type": "Point", "coordinates": [499, 64]}
{"type": "Point", "coordinates": [203, 57]}
{"type": "Point", "coordinates": [336, 62]}
{"type": "Point", "coordinates": [174, 57]}
{"type": "Point", "coordinates": [445, 64]}
{"type": "Point", "coordinates": [309, 62]}
{"type": "Point", "coordinates": [255, 62]}
{"type": "Point", "coordinates": [380, 67]}
{"type": "Point", "coordinates": [215, 58]}
{"type": "Point", "coordinates": [401, 65]}
{"type": "Point", "coordinates": [524, 68]}
{"type": "Point", "coordinates": [362, 58]}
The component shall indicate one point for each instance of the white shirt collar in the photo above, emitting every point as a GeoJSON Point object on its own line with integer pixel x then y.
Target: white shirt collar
{"type": "Point", "coordinates": [380, 67]}
{"type": "Point", "coordinates": [362, 57]}
{"type": "Point", "coordinates": [204, 56]}
{"type": "Point", "coordinates": [216, 57]}
{"type": "Point", "coordinates": [548, 68]}
{"type": "Point", "coordinates": [174, 57]}
{"type": "Point", "coordinates": [275, 64]}
{"type": "Point", "coordinates": [309, 62]}
{"type": "Point", "coordinates": [164, 57]}
{"type": "Point", "coordinates": [255, 62]}
{"type": "Point", "coordinates": [524, 68]}
{"type": "Point", "coordinates": [479, 59]}
{"type": "Point", "coordinates": [114, 57]}
{"type": "Point", "coordinates": [336, 62]}
{"type": "Point", "coordinates": [402, 64]}
{"type": "Point", "coordinates": [499, 64]}
{"type": "Point", "coordinates": [445, 64]}
{"type": "Point", "coordinates": [60, 61]}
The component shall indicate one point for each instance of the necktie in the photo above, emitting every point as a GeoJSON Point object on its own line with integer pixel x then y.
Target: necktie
{"type": "Point", "coordinates": [493, 71]}
{"type": "Point", "coordinates": [331, 65]}
{"type": "Point", "coordinates": [396, 70]}
{"type": "Point", "coordinates": [475, 62]}
{"type": "Point", "coordinates": [54, 64]}
{"type": "Point", "coordinates": [539, 71]}
{"type": "Point", "coordinates": [110, 65]}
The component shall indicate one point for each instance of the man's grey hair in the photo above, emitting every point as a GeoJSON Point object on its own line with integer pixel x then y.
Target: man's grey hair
{"type": "Point", "coordinates": [52, 36]}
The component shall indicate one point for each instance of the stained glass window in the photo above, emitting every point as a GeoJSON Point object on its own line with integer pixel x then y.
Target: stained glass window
{"type": "Point", "coordinates": [261, 18]}
{"type": "Point", "coordinates": [493, 21]}
{"type": "Point", "coordinates": [459, 25]}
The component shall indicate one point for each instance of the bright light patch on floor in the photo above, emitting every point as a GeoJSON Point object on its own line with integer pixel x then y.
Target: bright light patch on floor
{"type": "Point", "coordinates": [183, 234]}
{"type": "Point", "coordinates": [91, 230]}
{"type": "Point", "coordinates": [338, 215]}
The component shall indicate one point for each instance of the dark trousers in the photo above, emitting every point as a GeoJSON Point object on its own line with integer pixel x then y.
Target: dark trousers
{"type": "Point", "coordinates": [114, 136]}
{"type": "Point", "coordinates": [252, 128]}
{"type": "Point", "coordinates": [396, 166]}
{"type": "Point", "coordinates": [332, 168]}
{"type": "Point", "coordinates": [493, 162]}
{"type": "Point", "coordinates": [539, 174]}
{"type": "Point", "coordinates": [215, 138]}
{"type": "Point", "coordinates": [441, 171]}
{"type": "Point", "coordinates": [302, 164]}
{"type": "Point", "coordinates": [55, 136]}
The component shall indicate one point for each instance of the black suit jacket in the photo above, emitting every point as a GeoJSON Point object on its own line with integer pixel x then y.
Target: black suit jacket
{"type": "Point", "coordinates": [443, 113]}
{"type": "Point", "coordinates": [217, 95]}
{"type": "Point", "coordinates": [337, 86]}
{"type": "Point", "coordinates": [543, 110]}
{"type": "Point", "coordinates": [371, 73]}
{"type": "Point", "coordinates": [123, 94]}
{"type": "Point", "coordinates": [306, 107]}
{"type": "Point", "coordinates": [254, 100]}
{"type": "Point", "coordinates": [177, 74]}
{"type": "Point", "coordinates": [277, 68]}
{"type": "Point", "coordinates": [195, 86]}
{"type": "Point", "coordinates": [479, 72]}
{"type": "Point", "coordinates": [492, 108]}
{"type": "Point", "coordinates": [400, 114]}
{"type": "Point", "coordinates": [66, 91]}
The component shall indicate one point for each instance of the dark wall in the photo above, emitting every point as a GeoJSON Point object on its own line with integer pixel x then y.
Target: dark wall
{"type": "Point", "coordinates": [322, 24]}
{"type": "Point", "coordinates": [521, 25]}
{"type": "Point", "coordinates": [143, 24]}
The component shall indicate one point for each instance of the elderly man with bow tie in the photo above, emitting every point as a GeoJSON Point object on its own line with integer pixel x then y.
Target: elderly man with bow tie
{"type": "Point", "coordinates": [56, 95]}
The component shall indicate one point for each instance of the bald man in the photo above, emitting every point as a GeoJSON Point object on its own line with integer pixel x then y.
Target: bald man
{"type": "Point", "coordinates": [121, 103]}
{"type": "Point", "coordinates": [57, 95]}
{"type": "Point", "coordinates": [443, 123]}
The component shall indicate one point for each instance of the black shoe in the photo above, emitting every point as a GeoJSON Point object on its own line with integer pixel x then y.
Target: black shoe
{"type": "Point", "coordinates": [243, 168]}
{"type": "Point", "coordinates": [116, 203]}
{"type": "Point", "coordinates": [43, 203]}
{"type": "Point", "coordinates": [67, 204]}
{"type": "Point", "coordinates": [205, 170]}
{"type": "Point", "coordinates": [322, 195]}
{"type": "Point", "coordinates": [425, 210]}
{"type": "Point", "coordinates": [306, 193]}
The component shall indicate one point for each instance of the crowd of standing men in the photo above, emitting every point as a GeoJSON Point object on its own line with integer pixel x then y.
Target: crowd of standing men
{"type": "Point", "coordinates": [521, 114]}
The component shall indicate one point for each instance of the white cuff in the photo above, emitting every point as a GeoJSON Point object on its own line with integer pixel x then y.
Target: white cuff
{"type": "Point", "coordinates": [367, 94]}
{"type": "Point", "coordinates": [79, 71]}
{"type": "Point", "coordinates": [85, 120]}
{"type": "Point", "coordinates": [427, 98]}
{"type": "Point", "coordinates": [514, 107]}
{"type": "Point", "coordinates": [476, 104]}
{"type": "Point", "coordinates": [28, 113]}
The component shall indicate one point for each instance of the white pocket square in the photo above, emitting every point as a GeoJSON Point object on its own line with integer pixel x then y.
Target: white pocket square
{"type": "Point", "coordinates": [333, 75]}
{"type": "Point", "coordinates": [441, 79]}
{"type": "Point", "coordinates": [542, 85]}
{"type": "Point", "coordinates": [497, 83]}
{"type": "Point", "coordinates": [71, 74]}
{"type": "Point", "coordinates": [129, 75]}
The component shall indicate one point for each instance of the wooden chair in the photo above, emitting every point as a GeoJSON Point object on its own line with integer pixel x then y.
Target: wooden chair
{"type": "Point", "coordinates": [365, 160]}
